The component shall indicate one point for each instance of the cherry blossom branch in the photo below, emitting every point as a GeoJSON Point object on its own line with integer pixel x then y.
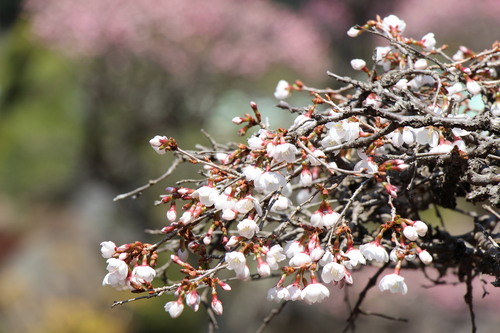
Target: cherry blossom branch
{"type": "Point", "coordinates": [379, 150]}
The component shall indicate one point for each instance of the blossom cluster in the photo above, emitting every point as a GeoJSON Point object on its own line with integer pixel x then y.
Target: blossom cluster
{"type": "Point", "coordinates": [341, 188]}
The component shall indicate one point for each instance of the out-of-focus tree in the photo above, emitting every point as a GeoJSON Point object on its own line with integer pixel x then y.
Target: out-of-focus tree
{"type": "Point", "coordinates": [449, 19]}
{"type": "Point", "coordinates": [162, 64]}
{"type": "Point", "coordinates": [186, 38]}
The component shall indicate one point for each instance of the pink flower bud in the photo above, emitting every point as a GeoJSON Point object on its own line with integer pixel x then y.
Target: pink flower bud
{"type": "Point", "coordinates": [391, 189]}
{"type": "Point", "coordinates": [224, 285]}
{"type": "Point", "coordinates": [217, 305]}
{"type": "Point", "coordinates": [193, 300]}
{"type": "Point", "coordinates": [183, 255]}
{"type": "Point", "coordinates": [306, 178]}
{"type": "Point", "coordinates": [233, 241]}
{"type": "Point", "coordinates": [157, 144]}
{"type": "Point", "coordinates": [172, 213]}
{"type": "Point", "coordinates": [263, 268]}
{"type": "Point", "coordinates": [237, 120]}
{"type": "Point", "coordinates": [207, 239]}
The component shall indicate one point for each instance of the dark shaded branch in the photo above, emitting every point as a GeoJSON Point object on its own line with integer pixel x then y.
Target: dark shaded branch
{"type": "Point", "coordinates": [356, 310]}
{"type": "Point", "coordinates": [267, 320]}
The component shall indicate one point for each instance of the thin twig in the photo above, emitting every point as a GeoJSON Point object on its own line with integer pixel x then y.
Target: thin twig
{"type": "Point", "coordinates": [348, 204]}
{"type": "Point", "coordinates": [268, 319]}
{"type": "Point", "coordinates": [209, 138]}
{"type": "Point", "coordinates": [152, 182]}
{"type": "Point", "coordinates": [201, 161]}
{"type": "Point", "coordinates": [369, 313]}
{"type": "Point", "coordinates": [356, 310]}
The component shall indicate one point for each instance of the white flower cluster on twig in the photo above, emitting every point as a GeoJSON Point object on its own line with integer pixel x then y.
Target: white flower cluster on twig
{"type": "Point", "coordinates": [340, 189]}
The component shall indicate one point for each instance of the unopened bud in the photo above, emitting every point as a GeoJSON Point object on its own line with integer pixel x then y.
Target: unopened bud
{"type": "Point", "coordinates": [237, 120]}
{"type": "Point", "coordinates": [358, 64]}
{"type": "Point", "coordinates": [473, 87]}
{"type": "Point", "coordinates": [425, 257]}
{"type": "Point", "coordinates": [420, 64]}
{"type": "Point", "coordinates": [353, 32]}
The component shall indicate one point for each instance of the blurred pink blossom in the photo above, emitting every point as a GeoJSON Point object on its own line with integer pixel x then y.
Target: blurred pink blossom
{"type": "Point", "coordinates": [471, 21]}
{"type": "Point", "coordinates": [229, 36]}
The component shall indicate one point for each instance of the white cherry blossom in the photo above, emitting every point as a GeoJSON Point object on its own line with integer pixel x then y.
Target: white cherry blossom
{"type": "Point", "coordinates": [314, 293]}
{"type": "Point", "coordinates": [393, 23]}
{"type": "Point", "coordinates": [473, 87]}
{"type": "Point", "coordinates": [244, 274]}
{"type": "Point", "coordinates": [263, 269]}
{"type": "Point", "coordinates": [235, 261]}
{"type": "Point", "coordinates": [256, 142]}
{"type": "Point", "coordinates": [292, 248]}
{"type": "Point", "coordinates": [246, 204]}
{"type": "Point", "coordinates": [356, 258]}
{"type": "Point", "coordinates": [282, 152]}
{"type": "Point", "coordinates": [247, 228]}
{"type": "Point", "coordinates": [421, 64]}
{"type": "Point", "coordinates": [278, 294]}
{"type": "Point", "coordinates": [108, 249]}
{"type": "Point", "coordinates": [300, 259]}
{"type": "Point", "coordinates": [143, 274]}
{"type": "Point", "coordinates": [317, 253]}
{"type": "Point", "coordinates": [394, 283]}
{"type": "Point", "coordinates": [174, 308]}
{"type": "Point", "coordinates": [374, 251]}
{"type": "Point", "coordinates": [306, 178]}
{"type": "Point", "coordinates": [428, 42]}
{"type": "Point", "coordinates": [281, 203]}
{"type": "Point", "coordinates": [269, 181]}
{"type": "Point", "coordinates": [410, 233]}
{"type": "Point", "coordinates": [332, 272]}
{"type": "Point", "coordinates": [252, 172]}
{"type": "Point", "coordinates": [207, 195]}
{"type": "Point", "coordinates": [118, 272]}
{"type": "Point", "coordinates": [421, 228]}
{"type": "Point", "coordinates": [274, 256]}
{"type": "Point", "coordinates": [295, 292]}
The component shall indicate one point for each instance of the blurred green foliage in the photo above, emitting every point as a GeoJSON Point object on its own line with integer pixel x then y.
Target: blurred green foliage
{"type": "Point", "coordinates": [40, 111]}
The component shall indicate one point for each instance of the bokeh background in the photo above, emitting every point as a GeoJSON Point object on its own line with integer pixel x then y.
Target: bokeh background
{"type": "Point", "coordinates": [84, 84]}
